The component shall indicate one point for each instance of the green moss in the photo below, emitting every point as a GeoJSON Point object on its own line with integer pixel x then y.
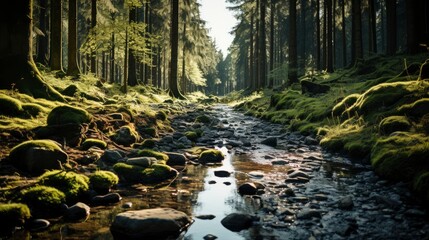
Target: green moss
{"type": "Point", "coordinates": [158, 172]}
{"type": "Point", "coordinates": [211, 156]}
{"type": "Point", "coordinates": [130, 173]}
{"type": "Point", "coordinates": [393, 124]}
{"type": "Point", "coordinates": [13, 214]}
{"type": "Point", "coordinates": [103, 179]}
{"type": "Point", "coordinates": [151, 153]}
{"type": "Point", "coordinates": [91, 142]}
{"type": "Point", "coordinates": [43, 201]}
{"type": "Point", "coordinates": [10, 106]}
{"type": "Point", "coordinates": [344, 104]}
{"type": "Point", "coordinates": [147, 143]}
{"type": "Point", "coordinates": [191, 135]}
{"type": "Point", "coordinates": [74, 185]}
{"type": "Point", "coordinates": [33, 109]}
{"type": "Point", "coordinates": [203, 119]}
{"type": "Point", "coordinates": [416, 109]}
{"type": "Point", "coordinates": [421, 185]}
{"type": "Point", "coordinates": [67, 114]}
{"type": "Point", "coordinates": [401, 156]}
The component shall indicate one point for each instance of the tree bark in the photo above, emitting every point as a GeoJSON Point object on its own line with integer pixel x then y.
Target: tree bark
{"type": "Point", "coordinates": [42, 40]}
{"type": "Point", "coordinates": [132, 77]}
{"type": "Point", "coordinates": [292, 71]}
{"type": "Point", "coordinates": [263, 46]}
{"type": "Point", "coordinates": [373, 26]}
{"type": "Point", "coordinates": [272, 36]}
{"type": "Point", "coordinates": [174, 42]}
{"type": "Point", "coordinates": [56, 56]}
{"type": "Point", "coordinates": [343, 26]}
{"type": "Point", "coordinates": [17, 67]}
{"type": "Point", "coordinates": [330, 55]}
{"type": "Point", "coordinates": [318, 47]}
{"type": "Point", "coordinates": [93, 24]}
{"type": "Point", "coordinates": [357, 49]}
{"type": "Point", "coordinates": [72, 67]}
{"type": "Point", "coordinates": [391, 27]}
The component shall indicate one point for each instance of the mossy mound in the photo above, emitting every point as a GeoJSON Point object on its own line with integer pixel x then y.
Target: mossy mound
{"type": "Point", "coordinates": [91, 142]}
{"type": "Point", "coordinates": [43, 201]}
{"type": "Point", "coordinates": [68, 115]}
{"type": "Point", "coordinates": [342, 106]}
{"type": "Point", "coordinates": [10, 106]}
{"type": "Point", "coordinates": [147, 143]}
{"type": "Point", "coordinates": [150, 131]}
{"type": "Point", "coordinates": [211, 156]}
{"type": "Point", "coordinates": [70, 91]}
{"type": "Point", "coordinates": [203, 119]}
{"type": "Point", "coordinates": [416, 109]}
{"type": "Point", "coordinates": [154, 173]}
{"type": "Point", "coordinates": [13, 215]}
{"type": "Point", "coordinates": [151, 153]}
{"type": "Point", "coordinates": [36, 156]}
{"type": "Point", "coordinates": [102, 180]}
{"type": "Point", "coordinates": [33, 109]}
{"type": "Point", "coordinates": [401, 156]}
{"type": "Point", "coordinates": [126, 136]}
{"type": "Point", "coordinates": [191, 135]}
{"type": "Point", "coordinates": [393, 124]}
{"type": "Point", "coordinates": [72, 184]}
{"type": "Point", "coordinates": [161, 115]}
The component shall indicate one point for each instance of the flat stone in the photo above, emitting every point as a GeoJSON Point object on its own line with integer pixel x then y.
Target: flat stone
{"type": "Point", "coordinates": [247, 189]}
{"type": "Point", "coordinates": [77, 212]}
{"type": "Point", "coordinates": [141, 161]}
{"type": "Point", "coordinates": [237, 221]}
{"type": "Point", "coordinates": [271, 141]}
{"type": "Point", "coordinates": [279, 162]}
{"type": "Point", "coordinates": [222, 173]}
{"type": "Point", "coordinates": [307, 213]}
{"type": "Point", "coordinates": [107, 199]}
{"type": "Point", "coordinates": [37, 225]}
{"type": "Point", "coordinates": [209, 237]}
{"type": "Point", "coordinates": [206, 216]}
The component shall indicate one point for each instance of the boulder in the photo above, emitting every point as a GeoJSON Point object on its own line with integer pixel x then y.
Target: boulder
{"type": "Point", "coordinates": [247, 189]}
{"type": "Point", "coordinates": [346, 203]}
{"type": "Point", "coordinates": [36, 156]}
{"type": "Point", "coordinates": [111, 157]}
{"type": "Point", "coordinates": [211, 156]}
{"type": "Point", "coordinates": [222, 173]}
{"type": "Point", "coordinates": [271, 141]}
{"type": "Point", "coordinates": [78, 212]}
{"type": "Point", "coordinates": [125, 136]}
{"type": "Point", "coordinates": [237, 221]}
{"type": "Point", "coordinates": [68, 115]}
{"type": "Point", "coordinates": [176, 159]}
{"type": "Point", "coordinates": [157, 223]}
{"type": "Point", "coordinates": [307, 213]}
{"type": "Point", "coordinates": [110, 198]}
{"type": "Point", "coordinates": [313, 88]}
{"type": "Point", "coordinates": [141, 161]}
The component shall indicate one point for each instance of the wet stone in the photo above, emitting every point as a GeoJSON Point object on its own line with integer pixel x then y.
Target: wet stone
{"type": "Point", "coordinates": [206, 216]}
{"type": "Point", "coordinates": [346, 203]}
{"type": "Point", "coordinates": [38, 225]}
{"type": "Point", "coordinates": [247, 189]}
{"type": "Point", "coordinates": [209, 237]}
{"type": "Point", "coordinates": [307, 213]}
{"type": "Point", "coordinates": [222, 173]}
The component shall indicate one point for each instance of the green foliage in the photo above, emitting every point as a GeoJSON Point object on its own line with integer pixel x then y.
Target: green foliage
{"type": "Point", "coordinates": [42, 200]}
{"type": "Point", "coordinates": [151, 153]}
{"type": "Point", "coordinates": [68, 114]}
{"type": "Point", "coordinates": [103, 179]}
{"type": "Point", "coordinates": [74, 185]}
{"type": "Point", "coordinates": [10, 106]}
{"type": "Point", "coordinates": [19, 150]}
{"type": "Point", "coordinates": [14, 214]}
{"type": "Point", "coordinates": [91, 142]}
{"type": "Point", "coordinates": [394, 123]}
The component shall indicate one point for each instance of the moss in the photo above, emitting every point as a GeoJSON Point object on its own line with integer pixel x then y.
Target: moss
{"type": "Point", "coordinates": [13, 214]}
{"type": "Point", "coordinates": [416, 109]}
{"type": "Point", "coordinates": [191, 135]}
{"type": "Point", "coordinates": [91, 142]}
{"type": "Point", "coordinates": [130, 173]}
{"type": "Point", "coordinates": [344, 104]}
{"type": "Point", "coordinates": [421, 185]}
{"type": "Point", "coordinates": [43, 201]}
{"type": "Point", "coordinates": [203, 119]}
{"type": "Point", "coordinates": [73, 185]}
{"type": "Point", "coordinates": [126, 136]}
{"type": "Point", "coordinates": [394, 123]}
{"type": "Point", "coordinates": [67, 114]}
{"type": "Point", "coordinates": [211, 156]}
{"type": "Point", "coordinates": [103, 179]}
{"type": "Point", "coordinates": [33, 109]}
{"type": "Point", "coordinates": [70, 91]}
{"type": "Point", "coordinates": [151, 153]}
{"type": "Point", "coordinates": [147, 143]}
{"type": "Point", "coordinates": [161, 115]}
{"type": "Point", "coordinates": [158, 172]}
{"type": "Point", "coordinates": [10, 106]}
{"type": "Point", "coordinates": [401, 156]}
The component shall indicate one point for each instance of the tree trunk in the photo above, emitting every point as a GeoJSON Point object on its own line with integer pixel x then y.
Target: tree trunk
{"type": "Point", "coordinates": [252, 54]}
{"type": "Point", "coordinates": [325, 34]}
{"type": "Point", "coordinates": [183, 88]}
{"type": "Point", "coordinates": [17, 67]}
{"type": "Point", "coordinates": [42, 40]}
{"type": "Point", "coordinates": [93, 24]}
{"type": "Point", "coordinates": [72, 67]}
{"type": "Point", "coordinates": [263, 46]}
{"type": "Point", "coordinates": [292, 72]}
{"type": "Point", "coordinates": [56, 36]}
{"type": "Point", "coordinates": [318, 47]}
{"type": "Point", "coordinates": [330, 55]}
{"type": "Point", "coordinates": [372, 26]}
{"type": "Point", "coordinates": [132, 77]}
{"type": "Point", "coordinates": [257, 48]}
{"type": "Point", "coordinates": [272, 36]}
{"type": "Point", "coordinates": [344, 38]}
{"type": "Point", "coordinates": [391, 27]}
{"type": "Point", "coordinates": [357, 49]}
{"type": "Point", "coordinates": [174, 42]}
{"type": "Point", "coordinates": [112, 57]}
{"type": "Point", "coordinates": [303, 38]}
{"type": "Point", "coordinates": [124, 87]}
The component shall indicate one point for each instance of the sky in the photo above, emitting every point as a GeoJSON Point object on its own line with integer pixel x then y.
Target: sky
{"type": "Point", "coordinates": [220, 22]}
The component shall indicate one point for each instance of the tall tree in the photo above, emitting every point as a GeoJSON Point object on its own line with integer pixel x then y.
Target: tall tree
{"type": "Point", "coordinates": [292, 71]}
{"type": "Point", "coordinates": [263, 45]}
{"type": "Point", "coordinates": [17, 67]}
{"type": "Point", "coordinates": [372, 19]}
{"type": "Point", "coordinates": [329, 26]}
{"type": "Point", "coordinates": [93, 58]}
{"type": "Point", "coordinates": [56, 56]}
{"type": "Point", "coordinates": [72, 67]}
{"type": "Point", "coordinates": [318, 47]}
{"type": "Point", "coordinates": [357, 48]}
{"type": "Point", "coordinates": [272, 36]}
{"type": "Point", "coordinates": [343, 32]}
{"type": "Point", "coordinates": [174, 43]}
{"type": "Point", "coordinates": [42, 39]}
{"type": "Point", "coordinates": [132, 77]}
{"type": "Point", "coordinates": [391, 27]}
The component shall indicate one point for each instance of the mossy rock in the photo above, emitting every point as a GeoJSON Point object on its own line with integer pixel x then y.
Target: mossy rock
{"type": "Point", "coordinates": [129, 173]}
{"type": "Point", "coordinates": [70, 91]}
{"type": "Point", "coordinates": [191, 135]}
{"type": "Point", "coordinates": [344, 104]}
{"type": "Point", "coordinates": [103, 180]}
{"type": "Point", "coordinates": [161, 115]}
{"type": "Point", "coordinates": [43, 201]}
{"type": "Point", "coordinates": [13, 215]}
{"type": "Point", "coordinates": [393, 124]}
{"type": "Point", "coordinates": [153, 174]}
{"type": "Point", "coordinates": [151, 153]}
{"type": "Point", "coordinates": [91, 142]}
{"type": "Point", "coordinates": [401, 156]}
{"type": "Point", "coordinates": [73, 185]}
{"type": "Point", "coordinates": [211, 156]}
{"type": "Point", "coordinates": [203, 119]}
{"type": "Point", "coordinates": [68, 115]}
{"type": "Point", "coordinates": [125, 136]}
{"type": "Point", "coordinates": [36, 156]}
{"type": "Point", "coordinates": [421, 186]}
{"type": "Point", "coordinates": [416, 109]}
{"type": "Point", "coordinates": [32, 109]}
{"type": "Point", "coordinates": [150, 131]}
{"type": "Point", "coordinates": [10, 106]}
{"type": "Point", "coordinates": [147, 143]}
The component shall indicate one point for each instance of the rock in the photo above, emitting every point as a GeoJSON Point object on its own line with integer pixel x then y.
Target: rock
{"type": "Point", "coordinates": [168, 139]}
{"type": "Point", "coordinates": [307, 213]}
{"type": "Point", "coordinates": [127, 205]}
{"type": "Point", "coordinates": [296, 180]}
{"type": "Point", "coordinates": [107, 199]}
{"type": "Point", "coordinates": [212, 182]}
{"type": "Point", "coordinates": [320, 197]}
{"type": "Point", "coordinates": [125, 136]}
{"type": "Point", "coordinates": [176, 159]}
{"type": "Point", "coordinates": [68, 115]}
{"type": "Point", "coordinates": [246, 142]}
{"type": "Point", "coordinates": [271, 141]}
{"type": "Point", "coordinates": [36, 156]}
{"type": "Point", "coordinates": [209, 237]}
{"type": "Point", "coordinates": [346, 203]}
{"type": "Point", "coordinates": [313, 88]}
{"type": "Point", "coordinates": [211, 156]}
{"type": "Point", "coordinates": [310, 141]}
{"type": "Point", "coordinates": [206, 217]}
{"type": "Point", "coordinates": [222, 173]}
{"type": "Point", "coordinates": [256, 174]}
{"type": "Point", "coordinates": [237, 221]}
{"type": "Point", "coordinates": [141, 161]}
{"type": "Point", "coordinates": [79, 211]}
{"type": "Point", "coordinates": [415, 213]}
{"type": "Point", "coordinates": [296, 174]}
{"type": "Point", "coordinates": [233, 143]}
{"type": "Point", "coordinates": [247, 189]}
{"type": "Point", "coordinates": [157, 223]}
{"type": "Point", "coordinates": [279, 162]}
{"type": "Point", "coordinates": [111, 157]}
{"type": "Point", "coordinates": [37, 225]}
{"type": "Point", "coordinates": [227, 183]}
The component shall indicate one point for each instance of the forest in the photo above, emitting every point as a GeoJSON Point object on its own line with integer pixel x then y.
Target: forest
{"type": "Point", "coordinates": [123, 119]}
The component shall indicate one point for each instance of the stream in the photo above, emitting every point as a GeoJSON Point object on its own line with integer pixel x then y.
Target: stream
{"type": "Point", "coordinates": [308, 193]}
